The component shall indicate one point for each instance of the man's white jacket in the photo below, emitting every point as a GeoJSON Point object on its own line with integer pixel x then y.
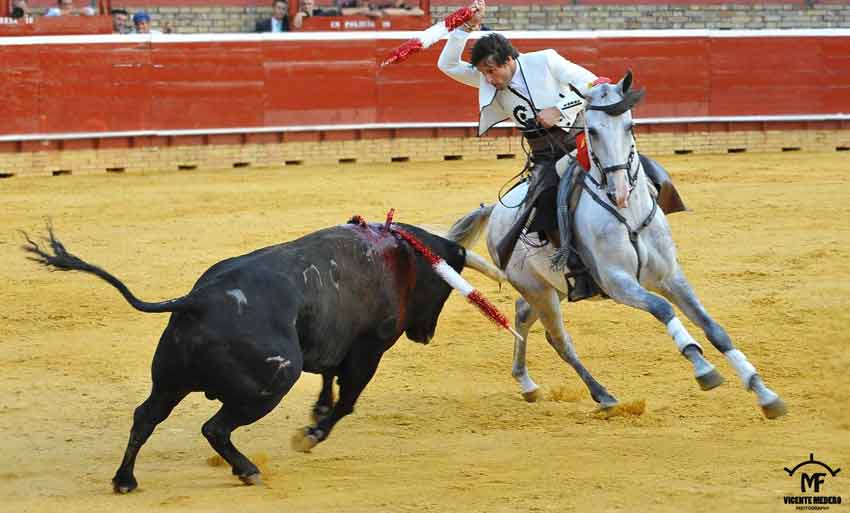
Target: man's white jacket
{"type": "Point", "coordinates": [547, 74]}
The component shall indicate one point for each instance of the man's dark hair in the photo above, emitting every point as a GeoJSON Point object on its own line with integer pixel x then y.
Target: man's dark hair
{"type": "Point", "coordinates": [113, 12]}
{"type": "Point", "coordinates": [493, 46]}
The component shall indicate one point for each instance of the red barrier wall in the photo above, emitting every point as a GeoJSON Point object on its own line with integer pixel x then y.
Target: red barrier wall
{"type": "Point", "coordinates": [260, 82]}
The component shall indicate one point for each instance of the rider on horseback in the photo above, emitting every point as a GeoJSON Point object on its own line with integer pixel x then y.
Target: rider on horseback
{"type": "Point", "coordinates": [541, 92]}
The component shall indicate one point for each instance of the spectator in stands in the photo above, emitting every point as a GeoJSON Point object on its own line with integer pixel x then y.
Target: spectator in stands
{"type": "Point", "coordinates": [401, 7]}
{"type": "Point", "coordinates": [20, 8]}
{"type": "Point", "coordinates": [359, 7]}
{"type": "Point", "coordinates": [121, 21]}
{"type": "Point", "coordinates": [307, 9]}
{"type": "Point", "coordinates": [279, 21]}
{"type": "Point", "coordinates": [87, 11]}
{"type": "Point", "coordinates": [142, 21]}
{"type": "Point", "coordinates": [63, 8]}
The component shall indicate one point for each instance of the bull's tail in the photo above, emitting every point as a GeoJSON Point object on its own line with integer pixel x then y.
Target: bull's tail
{"type": "Point", "coordinates": [61, 260]}
{"type": "Point", "coordinates": [468, 228]}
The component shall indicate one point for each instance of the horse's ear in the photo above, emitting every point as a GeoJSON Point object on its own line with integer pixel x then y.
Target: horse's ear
{"type": "Point", "coordinates": [626, 82]}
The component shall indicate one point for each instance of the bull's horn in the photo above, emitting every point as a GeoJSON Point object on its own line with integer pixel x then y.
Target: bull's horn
{"type": "Point", "coordinates": [477, 262]}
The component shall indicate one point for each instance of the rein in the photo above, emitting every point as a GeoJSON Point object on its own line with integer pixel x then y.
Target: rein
{"type": "Point", "coordinates": [633, 232]}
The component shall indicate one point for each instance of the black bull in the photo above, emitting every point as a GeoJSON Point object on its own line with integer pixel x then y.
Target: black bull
{"type": "Point", "coordinates": [331, 302]}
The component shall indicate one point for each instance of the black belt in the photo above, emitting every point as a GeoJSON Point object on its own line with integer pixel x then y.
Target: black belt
{"type": "Point", "coordinates": [553, 140]}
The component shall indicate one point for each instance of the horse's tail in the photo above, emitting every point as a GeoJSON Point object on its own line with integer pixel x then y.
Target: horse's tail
{"type": "Point", "coordinates": [467, 230]}
{"type": "Point", "coordinates": [61, 260]}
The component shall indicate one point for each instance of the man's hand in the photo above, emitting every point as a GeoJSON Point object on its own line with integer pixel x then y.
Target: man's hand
{"type": "Point", "coordinates": [549, 117]}
{"type": "Point", "coordinates": [478, 7]}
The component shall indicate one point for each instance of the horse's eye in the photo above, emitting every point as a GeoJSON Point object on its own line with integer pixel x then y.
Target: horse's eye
{"type": "Point", "coordinates": [592, 132]}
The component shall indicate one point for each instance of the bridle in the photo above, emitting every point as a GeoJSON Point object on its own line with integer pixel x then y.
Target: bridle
{"type": "Point", "coordinates": [618, 109]}
{"type": "Point", "coordinates": [632, 170]}
{"type": "Point", "coordinates": [628, 166]}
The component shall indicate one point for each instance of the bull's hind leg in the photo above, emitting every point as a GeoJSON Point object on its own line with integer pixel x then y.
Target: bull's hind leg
{"type": "Point", "coordinates": [154, 410]}
{"type": "Point", "coordinates": [548, 306]}
{"type": "Point", "coordinates": [355, 372]}
{"type": "Point", "coordinates": [248, 393]}
{"type": "Point", "coordinates": [526, 316]}
{"type": "Point", "coordinates": [233, 414]}
{"type": "Point", "coordinates": [678, 290]}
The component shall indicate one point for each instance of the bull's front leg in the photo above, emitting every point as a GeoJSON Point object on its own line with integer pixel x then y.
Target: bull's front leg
{"type": "Point", "coordinates": [355, 372]}
{"type": "Point", "coordinates": [325, 402]}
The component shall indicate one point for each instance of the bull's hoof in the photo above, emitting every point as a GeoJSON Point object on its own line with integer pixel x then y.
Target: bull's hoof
{"type": "Point", "coordinates": [124, 486]}
{"type": "Point", "coordinates": [303, 440]}
{"type": "Point", "coordinates": [252, 479]}
{"type": "Point", "coordinates": [532, 396]}
{"type": "Point", "coordinates": [774, 409]}
{"type": "Point", "coordinates": [319, 413]}
{"type": "Point", "coordinates": [709, 380]}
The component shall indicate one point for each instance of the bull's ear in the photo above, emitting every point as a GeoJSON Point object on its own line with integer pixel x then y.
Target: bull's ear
{"type": "Point", "coordinates": [626, 82]}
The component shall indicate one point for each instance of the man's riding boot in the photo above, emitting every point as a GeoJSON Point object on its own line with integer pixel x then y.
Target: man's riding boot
{"type": "Point", "coordinates": [580, 284]}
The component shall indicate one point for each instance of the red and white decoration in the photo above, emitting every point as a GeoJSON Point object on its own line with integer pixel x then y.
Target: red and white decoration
{"type": "Point", "coordinates": [448, 274]}
{"type": "Point", "coordinates": [430, 35]}
{"type": "Point", "coordinates": [457, 282]}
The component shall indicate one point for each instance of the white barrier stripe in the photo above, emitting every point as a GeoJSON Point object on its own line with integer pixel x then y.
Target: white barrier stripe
{"type": "Point", "coordinates": [583, 35]}
{"type": "Point", "coordinates": [394, 126]}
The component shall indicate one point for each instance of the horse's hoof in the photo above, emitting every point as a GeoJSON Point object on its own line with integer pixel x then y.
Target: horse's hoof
{"type": "Point", "coordinates": [252, 479]}
{"type": "Point", "coordinates": [532, 396]}
{"type": "Point", "coordinates": [709, 380]}
{"type": "Point", "coordinates": [303, 441]}
{"type": "Point", "coordinates": [604, 400]}
{"type": "Point", "coordinates": [774, 409]}
{"type": "Point", "coordinates": [606, 404]}
{"type": "Point", "coordinates": [630, 409]}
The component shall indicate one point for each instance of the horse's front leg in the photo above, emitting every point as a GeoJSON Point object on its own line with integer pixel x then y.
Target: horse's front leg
{"type": "Point", "coordinates": [678, 290]}
{"type": "Point", "coordinates": [548, 305]}
{"type": "Point", "coordinates": [624, 288]}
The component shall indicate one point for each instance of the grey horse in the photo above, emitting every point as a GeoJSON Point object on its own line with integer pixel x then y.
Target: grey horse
{"type": "Point", "coordinates": [625, 242]}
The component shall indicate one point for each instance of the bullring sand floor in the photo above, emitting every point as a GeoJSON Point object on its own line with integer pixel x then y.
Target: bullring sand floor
{"type": "Point", "coordinates": [442, 427]}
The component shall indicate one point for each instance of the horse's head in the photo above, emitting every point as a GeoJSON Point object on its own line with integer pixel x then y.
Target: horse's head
{"type": "Point", "coordinates": [610, 140]}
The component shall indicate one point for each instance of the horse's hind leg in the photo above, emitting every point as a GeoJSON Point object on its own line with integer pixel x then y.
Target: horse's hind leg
{"type": "Point", "coordinates": [678, 290]}
{"type": "Point", "coordinates": [624, 289]}
{"type": "Point", "coordinates": [548, 306]}
{"type": "Point", "coordinates": [526, 316]}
